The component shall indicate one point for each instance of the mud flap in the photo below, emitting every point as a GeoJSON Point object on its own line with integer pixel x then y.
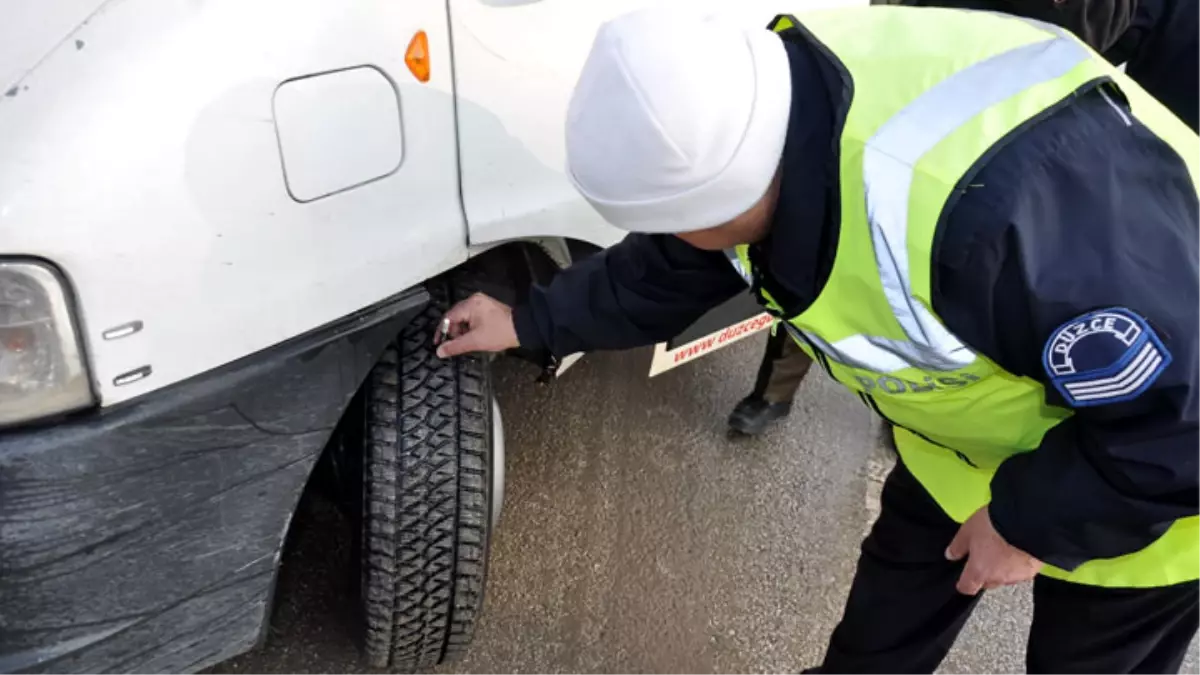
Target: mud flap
{"type": "Point", "coordinates": [736, 319]}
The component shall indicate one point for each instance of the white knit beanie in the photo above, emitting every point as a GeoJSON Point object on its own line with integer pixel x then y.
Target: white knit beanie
{"type": "Point", "coordinates": [678, 120]}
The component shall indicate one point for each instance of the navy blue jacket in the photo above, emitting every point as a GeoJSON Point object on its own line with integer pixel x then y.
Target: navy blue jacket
{"type": "Point", "coordinates": [1082, 210]}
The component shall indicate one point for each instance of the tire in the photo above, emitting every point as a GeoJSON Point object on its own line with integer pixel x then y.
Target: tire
{"type": "Point", "coordinates": [426, 498]}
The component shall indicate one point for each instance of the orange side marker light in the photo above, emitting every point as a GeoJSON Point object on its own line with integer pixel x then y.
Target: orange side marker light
{"type": "Point", "coordinates": [416, 57]}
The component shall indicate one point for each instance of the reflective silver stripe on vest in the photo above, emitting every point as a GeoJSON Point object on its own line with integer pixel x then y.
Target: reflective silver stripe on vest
{"type": "Point", "coordinates": [744, 273]}
{"type": "Point", "coordinates": [888, 161]}
{"type": "Point", "coordinates": [891, 154]}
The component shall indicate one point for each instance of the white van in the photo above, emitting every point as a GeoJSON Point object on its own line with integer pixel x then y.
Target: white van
{"type": "Point", "coordinates": [228, 229]}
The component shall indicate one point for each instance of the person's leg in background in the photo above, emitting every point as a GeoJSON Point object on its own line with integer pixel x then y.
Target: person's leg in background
{"type": "Point", "coordinates": [1090, 629]}
{"type": "Point", "coordinates": [783, 367]}
{"type": "Point", "coordinates": [903, 612]}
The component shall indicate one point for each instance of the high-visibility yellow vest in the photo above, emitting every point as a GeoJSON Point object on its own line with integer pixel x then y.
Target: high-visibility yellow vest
{"type": "Point", "coordinates": [933, 92]}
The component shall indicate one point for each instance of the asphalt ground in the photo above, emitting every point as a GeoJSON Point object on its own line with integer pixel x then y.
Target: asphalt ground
{"type": "Point", "coordinates": [637, 537]}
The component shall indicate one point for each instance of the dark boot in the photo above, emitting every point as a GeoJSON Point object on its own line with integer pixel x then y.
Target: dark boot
{"type": "Point", "coordinates": [752, 415]}
{"type": "Point", "coordinates": [783, 366]}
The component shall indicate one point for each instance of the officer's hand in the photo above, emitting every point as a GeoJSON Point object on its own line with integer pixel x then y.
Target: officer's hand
{"type": "Point", "coordinates": [991, 561]}
{"type": "Point", "coordinates": [477, 324]}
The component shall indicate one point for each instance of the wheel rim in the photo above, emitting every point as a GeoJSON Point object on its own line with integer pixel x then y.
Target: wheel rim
{"type": "Point", "coordinates": [497, 463]}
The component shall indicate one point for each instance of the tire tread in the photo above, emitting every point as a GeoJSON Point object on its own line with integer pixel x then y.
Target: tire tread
{"type": "Point", "coordinates": [427, 498]}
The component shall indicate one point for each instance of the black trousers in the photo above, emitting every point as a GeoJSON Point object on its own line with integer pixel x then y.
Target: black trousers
{"type": "Point", "coordinates": [904, 613]}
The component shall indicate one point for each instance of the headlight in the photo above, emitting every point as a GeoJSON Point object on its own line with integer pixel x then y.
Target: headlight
{"type": "Point", "coordinates": [41, 368]}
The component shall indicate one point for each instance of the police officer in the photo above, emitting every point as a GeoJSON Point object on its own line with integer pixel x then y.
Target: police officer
{"type": "Point", "coordinates": [973, 223]}
{"type": "Point", "coordinates": [1157, 42]}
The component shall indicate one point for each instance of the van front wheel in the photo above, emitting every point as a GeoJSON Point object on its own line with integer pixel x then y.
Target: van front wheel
{"type": "Point", "coordinates": [427, 497]}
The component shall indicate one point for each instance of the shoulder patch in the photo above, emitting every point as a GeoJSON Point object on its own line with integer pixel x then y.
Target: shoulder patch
{"type": "Point", "coordinates": [1106, 356]}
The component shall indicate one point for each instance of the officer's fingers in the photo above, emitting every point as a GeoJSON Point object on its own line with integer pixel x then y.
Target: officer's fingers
{"type": "Point", "coordinates": [462, 312]}
{"type": "Point", "coordinates": [995, 583]}
{"type": "Point", "coordinates": [959, 546]}
{"type": "Point", "coordinates": [461, 318]}
{"type": "Point", "coordinates": [1007, 579]}
{"type": "Point", "coordinates": [971, 581]}
{"type": "Point", "coordinates": [1023, 572]}
{"type": "Point", "coordinates": [471, 341]}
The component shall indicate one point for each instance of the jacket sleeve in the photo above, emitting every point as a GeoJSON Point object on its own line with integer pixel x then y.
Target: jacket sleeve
{"type": "Point", "coordinates": [644, 290]}
{"type": "Point", "coordinates": [1091, 289]}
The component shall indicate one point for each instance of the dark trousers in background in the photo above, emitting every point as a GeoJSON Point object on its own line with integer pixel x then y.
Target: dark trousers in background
{"type": "Point", "coordinates": [904, 613]}
{"type": "Point", "coordinates": [783, 367]}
